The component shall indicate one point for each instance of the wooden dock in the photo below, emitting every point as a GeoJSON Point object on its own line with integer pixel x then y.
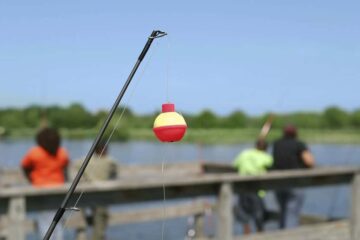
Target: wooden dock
{"type": "Point", "coordinates": [324, 231]}
{"type": "Point", "coordinates": [217, 180]}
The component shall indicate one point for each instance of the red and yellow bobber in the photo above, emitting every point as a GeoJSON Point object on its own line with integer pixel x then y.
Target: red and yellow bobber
{"type": "Point", "coordinates": [169, 126]}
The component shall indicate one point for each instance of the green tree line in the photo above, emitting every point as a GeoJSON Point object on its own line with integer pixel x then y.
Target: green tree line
{"type": "Point", "coordinates": [76, 116]}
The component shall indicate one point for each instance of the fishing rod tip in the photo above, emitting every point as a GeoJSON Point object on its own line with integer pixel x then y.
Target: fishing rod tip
{"type": "Point", "coordinates": [158, 34]}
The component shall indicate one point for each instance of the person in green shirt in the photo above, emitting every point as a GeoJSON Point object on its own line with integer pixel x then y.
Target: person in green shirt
{"type": "Point", "coordinates": [252, 162]}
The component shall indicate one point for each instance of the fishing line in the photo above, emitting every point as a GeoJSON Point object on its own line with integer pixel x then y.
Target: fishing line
{"type": "Point", "coordinates": [43, 118]}
{"type": "Point", "coordinates": [164, 195]}
{"type": "Point", "coordinates": [127, 102]}
{"type": "Point", "coordinates": [163, 163]}
{"type": "Point", "coordinates": [167, 77]}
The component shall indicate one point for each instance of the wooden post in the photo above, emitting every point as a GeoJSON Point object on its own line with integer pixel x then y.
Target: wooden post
{"type": "Point", "coordinates": [199, 225]}
{"type": "Point", "coordinates": [16, 214]}
{"type": "Point", "coordinates": [80, 233]}
{"type": "Point", "coordinates": [355, 212]}
{"type": "Point", "coordinates": [79, 222]}
{"type": "Point", "coordinates": [225, 213]}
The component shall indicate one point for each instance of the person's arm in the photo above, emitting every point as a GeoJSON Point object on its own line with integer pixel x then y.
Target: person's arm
{"type": "Point", "coordinates": [26, 166]}
{"type": "Point", "coordinates": [66, 164]}
{"type": "Point", "coordinates": [236, 162]}
{"type": "Point", "coordinates": [26, 172]}
{"type": "Point", "coordinates": [66, 173]}
{"type": "Point", "coordinates": [113, 171]}
{"type": "Point", "coordinates": [308, 158]}
{"type": "Point", "coordinates": [239, 161]}
{"type": "Point", "coordinates": [270, 163]}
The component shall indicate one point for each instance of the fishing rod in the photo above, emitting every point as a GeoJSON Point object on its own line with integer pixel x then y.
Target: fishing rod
{"type": "Point", "coordinates": [266, 127]}
{"type": "Point", "coordinates": [63, 207]}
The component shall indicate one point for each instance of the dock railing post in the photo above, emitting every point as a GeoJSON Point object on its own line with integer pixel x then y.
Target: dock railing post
{"type": "Point", "coordinates": [199, 225]}
{"type": "Point", "coordinates": [355, 211]}
{"type": "Point", "coordinates": [225, 213]}
{"type": "Point", "coordinates": [80, 233]}
{"type": "Point", "coordinates": [16, 215]}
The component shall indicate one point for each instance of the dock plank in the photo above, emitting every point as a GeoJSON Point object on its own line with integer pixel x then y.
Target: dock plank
{"type": "Point", "coordinates": [339, 230]}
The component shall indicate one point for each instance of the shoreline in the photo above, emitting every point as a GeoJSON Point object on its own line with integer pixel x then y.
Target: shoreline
{"type": "Point", "coordinates": [209, 136]}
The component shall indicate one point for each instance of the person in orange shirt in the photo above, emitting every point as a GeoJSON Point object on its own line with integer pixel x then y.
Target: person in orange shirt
{"type": "Point", "coordinates": [45, 165]}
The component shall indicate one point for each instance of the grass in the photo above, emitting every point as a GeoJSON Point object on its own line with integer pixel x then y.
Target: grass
{"type": "Point", "coordinates": [214, 136]}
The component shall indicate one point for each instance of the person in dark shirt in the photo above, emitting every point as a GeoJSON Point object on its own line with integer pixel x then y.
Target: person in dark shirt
{"type": "Point", "coordinates": [290, 153]}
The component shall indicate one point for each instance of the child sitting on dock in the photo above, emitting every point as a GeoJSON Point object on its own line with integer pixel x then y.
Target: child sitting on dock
{"type": "Point", "coordinates": [101, 168]}
{"type": "Point", "coordinates": [44, 166]}
{"type": "Point", "coordinates": [251, 206]}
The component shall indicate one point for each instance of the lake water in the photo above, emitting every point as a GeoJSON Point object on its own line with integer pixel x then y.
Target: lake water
{"type": "Point", "coordinates": [326, 201]}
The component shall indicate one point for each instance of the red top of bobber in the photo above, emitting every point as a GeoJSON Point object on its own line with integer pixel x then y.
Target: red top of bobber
{"type": "Point", "coordinates": [168, 107]}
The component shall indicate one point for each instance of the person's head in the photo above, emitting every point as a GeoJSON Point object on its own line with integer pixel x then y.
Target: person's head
{"type": "Point", "coordinates": [101, 148]}
{"type": "Point", "coordinates": [48, 139]}
{"type": "Point", "coordinates": [261, 144]}
{"type": "Point", "coordinates": [290, 131]}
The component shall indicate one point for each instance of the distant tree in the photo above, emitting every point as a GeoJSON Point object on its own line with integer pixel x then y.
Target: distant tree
{"type": "Point", "coordinates": [206, 119]}
{"type": "Point", "coordinates": [74, 116]}
{"type": "Point", "coordinates": [118, 129]}
{"type": "Point", "coordinates": [143, 121]}
{"type": "Point", "coordinates": [335, 117]}
{"type": "Point", "coordinates": [125, 117]}
{"type": "Point", "coordinates": [237, 119]}
{"type": "Point", "coordinates": [355, 118]}
{"type": "Point", "coordinates": [78, 117]}
{"type": "Point", "coordinates": [57, 116]}
{"type": "Point", "coordinates": [12, 118]}
{"type": "Point", "coordinates": [255, 121]}
{"type": "Point", "coordinates": [101, 114]}
{"type": "Point", "coordinates": [32, 116]}
{"type": "Point", "coordinates": [305, 119]}
{"type": "Point", "coordinates": [280, 120]}
{"type": "Point", "coordinates": [126, 111]}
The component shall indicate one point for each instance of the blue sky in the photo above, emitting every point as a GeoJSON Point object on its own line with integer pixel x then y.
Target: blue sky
{"type": "Point", "coordinates": [257, 56]}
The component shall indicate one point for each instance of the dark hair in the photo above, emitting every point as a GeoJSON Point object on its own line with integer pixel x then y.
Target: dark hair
{"type": "Point", "coordinates": [290, 131]}
{"type": "Point", "coordinates": [261, 144]}
{"type": "Point", "coordinates": [101, 148]}
{"type": "Point", "coordinates": [49, 139]}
